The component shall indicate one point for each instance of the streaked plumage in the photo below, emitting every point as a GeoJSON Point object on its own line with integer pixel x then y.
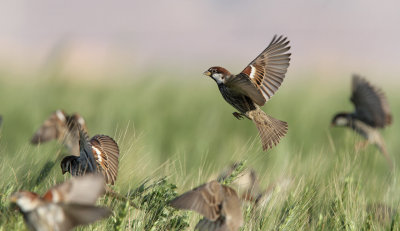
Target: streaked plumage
{"type": "Point", "coordinates": [254, 86]}
{"type": "Point", "coordinates": [62, 127]}
{"type": "Point", "coordinates": [64, 206]}
{"type": "Point", "coordinates": [99, 154]}
{"type": "Point", "coordinates": [371, 113]}
{"type": "Point", "coordinates": [219, 204]}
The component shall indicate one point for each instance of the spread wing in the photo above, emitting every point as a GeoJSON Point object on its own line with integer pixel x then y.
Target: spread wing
{"type": "Point", "coordinates": [86, 157]}
{"type": "Point", "coordinates": [264, 75]}
{"type": "Point", "coordinates": [370, 103]}
{"type": "Point", "coordinates": [76, 214]}
{"type": "Point", "coordinates": [78, 190]}
{"type": "Point", "coordinates": [106, 153]}
{"type": "Point", "coordinates": [205, 199]}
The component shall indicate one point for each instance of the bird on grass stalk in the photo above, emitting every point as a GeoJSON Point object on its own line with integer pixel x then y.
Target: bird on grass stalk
{"type": "Point", "coordinates": [371, 113]}
{"type": "Point", "coordinates": [254, 86]}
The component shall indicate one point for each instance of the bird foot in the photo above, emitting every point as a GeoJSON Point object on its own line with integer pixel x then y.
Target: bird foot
{"type": "Point", "coordinates": [238, 115]}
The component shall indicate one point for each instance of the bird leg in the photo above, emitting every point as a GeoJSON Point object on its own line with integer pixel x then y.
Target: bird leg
{"type": "Point", "coordinates": [238, 115]}
{"type": "Point", "coordinates": [361, 145]}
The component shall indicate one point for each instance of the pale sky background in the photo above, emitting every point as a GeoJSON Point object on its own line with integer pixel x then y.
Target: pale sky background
{"type": "Point", "coordinates": [328, 38]}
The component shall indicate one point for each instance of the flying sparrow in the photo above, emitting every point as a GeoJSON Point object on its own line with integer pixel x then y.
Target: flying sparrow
{"type": "Point", "coordinates": [63, 128]}
{"type": "Point", "coordinates": [254, 86]}
{"type": "Point", "coordinates": [371, 113]}
{"type": "Point", "coordinates": [219, 204]}
{"type": "Point", "coordinates": [64, 206]}
{"type": "Point", "coordinates": [99, 154]}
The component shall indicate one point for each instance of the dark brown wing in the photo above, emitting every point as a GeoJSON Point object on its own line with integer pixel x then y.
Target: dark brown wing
{"type": "Point", "coordinates": [264, 75]}
{"type": "Point", "coordinates": [50, 129]}
{"type": "Point", "coordinates": [205, 199]}
{"type": "Point", "coordinates": [79, 190]}
{"type": "Point", "coordinates": [86, 157]}
{"type": "Point", "coordinates": [106, 154]}
{"type": "Point", "coordinates": [370, 103]}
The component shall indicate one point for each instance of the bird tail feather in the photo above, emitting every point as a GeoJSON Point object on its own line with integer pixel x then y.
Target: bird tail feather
{"type": "Point", "coordinates": [271, 130]}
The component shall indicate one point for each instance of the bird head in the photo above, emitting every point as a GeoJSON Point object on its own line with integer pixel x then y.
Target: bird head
{"type": "Point", "coordinates": [341, 119]}
{"type": "Point", "coordinates": [26, 201]}
{"type": "Point", "coordinates": [219, 74]}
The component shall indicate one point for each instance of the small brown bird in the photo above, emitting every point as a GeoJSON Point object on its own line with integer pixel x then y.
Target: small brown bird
{"type": "Point", "coordinates": [63, 128]}
{"type": "Point", "coordinates": [64, 206]}
{"type": "Point", "coordinates": [99, 154]}
{"type": "Point", "coordinates": [254, 86]}
{"type": "Point", "coordinates": [219, 204]}
{"type": "Point", "coordinates": [372, 112]}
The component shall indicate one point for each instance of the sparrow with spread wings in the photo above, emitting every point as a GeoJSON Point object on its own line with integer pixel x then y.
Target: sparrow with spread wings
{"type": "Point", "coordinates": [99, 154]}
{"type": "Point", "coordinates": [219, 204]}
{"type": "Point", "coordinates": [254, 86]}
{"type": "Point", "coordinates": [371, 113]}
{"type": "Point", "coordinates": [64, 206]}
{"type": "Point", "coordinates": [62, 127]}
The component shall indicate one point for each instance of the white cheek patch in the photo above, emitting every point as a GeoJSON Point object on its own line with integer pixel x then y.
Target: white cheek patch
{"type": "Point", "coordinates": [341, 121]}
{"type": "Point", "coordinates": [252, 72]}
{"type": "Point", "coordinates": [60, 115]}
{"type": "Point", "coordinates": [98, 153]}
{"type": "Point", "coordinates": [218, 77]}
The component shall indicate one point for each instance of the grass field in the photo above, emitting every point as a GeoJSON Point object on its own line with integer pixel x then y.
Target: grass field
{"type": "Point", "coordinates": [182, 129]}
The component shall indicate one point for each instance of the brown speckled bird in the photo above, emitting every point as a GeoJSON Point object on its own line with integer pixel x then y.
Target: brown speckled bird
{"type": "Point", "coordinates": [371, 113]}
{"type": "Point", "coordinates": [64, 206]}
{"type": "Point", "coordinates": [254, 86]}
{"type": "Point", "coordinates": [99, 154]}
{"type": "Point", "coordinates": [62, 127]}
{"type": "Point", "coordinates": [219, 204]}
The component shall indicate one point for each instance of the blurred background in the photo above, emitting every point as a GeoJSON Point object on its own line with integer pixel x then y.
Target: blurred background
{"type": "Point", "coordinates": [133, 70]}
{"type": "Point", "coordinates": [107, 40]}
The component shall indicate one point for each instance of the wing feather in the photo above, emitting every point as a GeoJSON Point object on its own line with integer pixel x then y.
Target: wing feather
{"type": "Point", "coordinates": [264, 75]}
{"type": "Point", "coordinates": [205, 199]}
{"type": "Point", "coordinates": [370, 103]}
{"type": "Point", "coordinates": [106, 153]}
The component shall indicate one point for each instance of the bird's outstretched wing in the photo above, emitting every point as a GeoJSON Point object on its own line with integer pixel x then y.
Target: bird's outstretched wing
{"type": "Point", "coordinates": [86, 158]}
{"type": "Point", "coordinates": [205, 199]}
{"type": "Point", "coordinates": [370, 103]}
{"type": "Point", "coordinates": [106, 154]}
{"type": "Point", "coordinates": [78, 190]}
{"type": "Point", "coordinates": [264, 75]}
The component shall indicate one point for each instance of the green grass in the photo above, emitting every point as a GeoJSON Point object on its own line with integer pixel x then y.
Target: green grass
{"type": "Point", "coordinates": [180, 132]}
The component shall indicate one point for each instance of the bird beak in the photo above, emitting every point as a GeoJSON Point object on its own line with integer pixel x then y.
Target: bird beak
{"type": "Point", "coordinates": [207, 73]}
{"type": "Point", "coordinates": [13, 199]}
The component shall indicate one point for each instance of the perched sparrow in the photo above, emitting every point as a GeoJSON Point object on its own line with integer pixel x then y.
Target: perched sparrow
{"type": "Point", "coordinates": [219, 204]}
{"type": "Point", "coordinates": [62, 127]}
{"type": "Point", "coordinates": [254, 86]}
{"type": "Point", "coordinates": [64, 206]}
{"type": "Point", "coordinates": [372, 112]}
{"type": "Point", "coordinates": [99, 154]}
